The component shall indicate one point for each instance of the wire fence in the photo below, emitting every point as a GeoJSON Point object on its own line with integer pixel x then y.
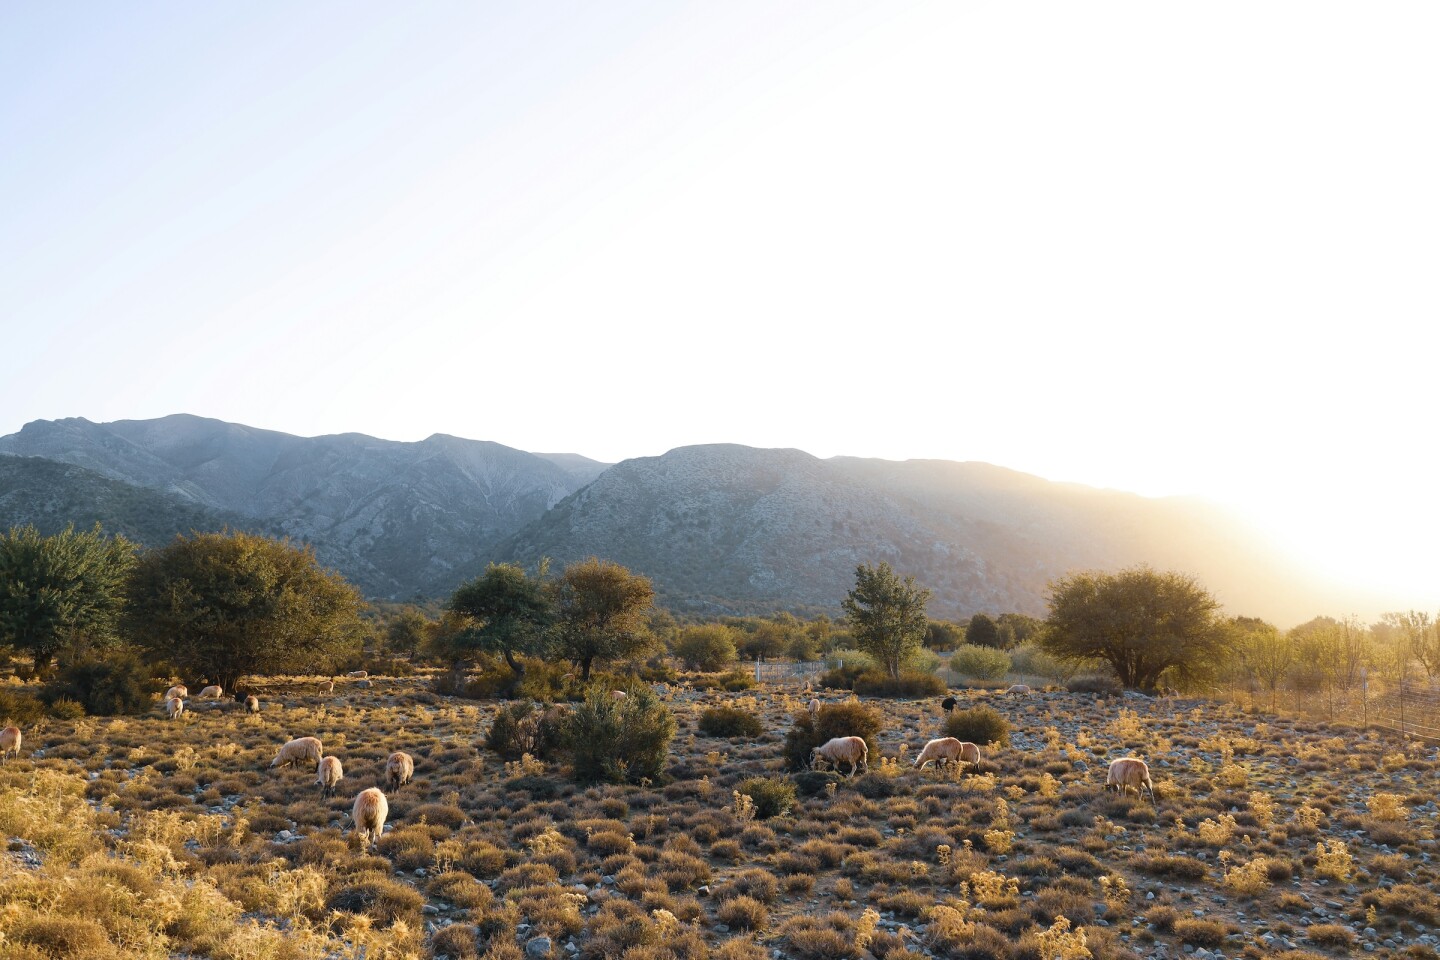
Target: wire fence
{"type": "Point", "coordinates": [1409, 708]}
{"type": "Point", "coordinates": [782, 672]}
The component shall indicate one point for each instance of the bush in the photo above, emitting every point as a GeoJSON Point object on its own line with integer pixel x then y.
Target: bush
{"type": "Point", "coordinates": [20, 709]}
{"type": "Point", "coordinates": [773, 796]}
{"type": "Point", "coordinates": [119, 685]}
{"type": "Point", "coordinates": [619, 740]}
{"type": "Point", "coordinates": [710, 647]}
{"type": "Point", "coordinates": [981, 726]}
{"type": "Point", "coordinates": [831, 720]}
{"type": "Point", "coordinates": [729, 722]}
{"type": "Point", "coordinates": [1099, 685]}
{"type": "Point", "coordinates": [521, 728]}
{"type": "Point", "coordinates": [912, 685]}
{"type": "Point", "coordinates": [732, 682]}
{"type": "Point", "coordinates": [843, 677]}
{"type": "Point", "coordinates": [1029, 659]}
{"type": "Point", "coordinates": [923, 660]}
{"type": "Point", "coordinates": [980, 663]}
{"type": "Point", "coordinates": [812, 783]}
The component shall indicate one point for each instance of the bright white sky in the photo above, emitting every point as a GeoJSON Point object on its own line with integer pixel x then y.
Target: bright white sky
{"type": "Point", "coordinates": [1169, 248]}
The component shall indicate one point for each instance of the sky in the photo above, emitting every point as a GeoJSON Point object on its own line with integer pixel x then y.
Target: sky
{"type": "Point", "coordinates": [1177, 249]}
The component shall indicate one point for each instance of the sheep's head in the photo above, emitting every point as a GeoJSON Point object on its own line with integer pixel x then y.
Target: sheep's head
{"type": "Point", "coordinates": [816, 758]}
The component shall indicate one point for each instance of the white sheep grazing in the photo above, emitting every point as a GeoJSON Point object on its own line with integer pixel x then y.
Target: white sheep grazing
{"type": "Point", "coordinates": [9, 743]}
{"type": "Point", "coordinates": [1128, 772]}
{"type": "Point", "coordinates": [252, 704]}
{"type": "Point", "coordinates": [179, 690]}
{"type": "Point", "coordinates": [617, 694]}
{"type": "Point", "coordinates": [328, 686]}
{"type": "Point", "coordinates": [814, 707]}
{"type": "Point", "coordinates": [851, 750]}
{"type": "Point", "coordinates": [948, 750]}
{"type": "Point", "coordinates": [1019, 689]}
{"type": "Point", "coordinates": [327, 774]}
{"type": "Point", "coordinates": [213, 691]}
{"type": "Point", "coordinates": [369, 813]}
{"type": "Point", "coordinates": [358, 675]}
{"type": "Point", "coordinates": [300, 750]}
{"type": "Point", "coordinates": [174, 707]}
{"type": "Point", "coordinates": [399, 769]}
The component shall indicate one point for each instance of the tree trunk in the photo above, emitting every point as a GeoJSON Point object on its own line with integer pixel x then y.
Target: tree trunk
{"type": "Point", "coordinates": [585, 669]}
{"type": "Point", "coordinates": [510, 659]}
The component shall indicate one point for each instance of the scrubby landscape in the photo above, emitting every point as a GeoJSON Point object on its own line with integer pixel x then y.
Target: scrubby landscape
{"type": "Point", "coordinates": [141, 837]}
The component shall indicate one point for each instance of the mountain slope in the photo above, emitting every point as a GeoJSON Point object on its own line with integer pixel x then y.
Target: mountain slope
{"type": "Point", "coordinates": [399, 518]}
{"type": "Point", "coordinates": [726, 527]}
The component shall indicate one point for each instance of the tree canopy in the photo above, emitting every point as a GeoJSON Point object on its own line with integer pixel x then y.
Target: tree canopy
{"type": "Point", "coordinates": [511, 614]}
{"type": "Point", "coordinates": [982, 632]}
{"type": "Point", "coordinates": [61, 588]}
{"type": "Point", "coordinates": [221, 605]}
{"type": "Point", "coordinates": [1140, 621]}
{"type": "Point", "coordinates": [886, 615]}
{"type": "Point", "coordinates": [601, 610]}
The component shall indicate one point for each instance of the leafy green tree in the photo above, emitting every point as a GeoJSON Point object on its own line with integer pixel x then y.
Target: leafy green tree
{"type": "Point", "coordinates": [601, 610]}
{"type": "Point", "coordinates": [62, 588]}
{"type": "Point", "coordinates": [1139, 621]}
{"type": "Point", "coordinates": [222, 605]}
{"type": "Point", "coordinates": [1016, 628]}
{"type": "Point", "coordinates": [510, 612]}
{"type": "Point", "coordinates": [406, 631]}
{"type": "Point", "coordinates": [886, 615]}
{"type": "Point", "coordinates": [1266, 652]}
{"type": "Point", "coordinates": [982, 632]}
{"type": "Point", "coordinates": [709, 647]}
{"type": "Point", "coordinates": [943, 635]}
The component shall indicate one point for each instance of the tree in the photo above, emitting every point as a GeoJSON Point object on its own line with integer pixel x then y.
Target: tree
{"type": "Point", "coordinates": [601, 609]}
{"type": "Point", "coordinates": [982, 632]}
{"type": "Point", "coordinates": [1139, 621]}
{"type": "Point", "coordinates": [942, 635]}
{"type": "Point", "coordinates": [1016, 628]}
{"type": "Point", "coordinates": [510, 613]}
{"type": "Point", "coordinates": [406, 631]}
{"type": "Point", "coordinates": [58, 589]}
{"type": "Point", "coordinates": [221, 605]}
{"type": "Point", "coordinates": [709, 647]}
{"type": "Point", "coordinates": [1267, 653]}
{"type": "Point", "coordinates": [886, 615]}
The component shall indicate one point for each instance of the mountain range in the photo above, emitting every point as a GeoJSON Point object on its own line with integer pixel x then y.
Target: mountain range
{"type": "Point", "coordinates": [721, 528]}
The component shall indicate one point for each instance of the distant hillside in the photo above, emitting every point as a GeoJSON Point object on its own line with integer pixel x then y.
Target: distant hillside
{"type": "Point", "coordinates": [398, 518]}
{"type": "Point", "coordinates": [731, 528]}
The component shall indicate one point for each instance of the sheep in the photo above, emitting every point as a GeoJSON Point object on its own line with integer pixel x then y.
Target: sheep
{"type": "Point", "coordinates": [851, 750]}
{"type": "Point", "coordinates": [174, 707]}
{"type": "Point", "coordinates": [1019, 689]}
{"type": "Point", "coordinates": [814, 707]}
{"type": "Point", "coordinates": [327, 774]}
{"type": "Point", "coordinates": [179, 690]}
{"type": "Point", "coordinates": [299, 750]}
{"type": "Point", "coordinates": [948, 749]}
{"type": "Point", "coordinates": [399, 769]}
{"type": "Point", "coordinates": [1128, 772]}
{"type": "Point", "coordinates": [358, 675]}
{"type": "Point", "coordinates": [328, 686]}
{"type": "Point", "coordinates": [369, 813]}
{"type": "Point", "coordinates": [213, 690]}
{"type": "Point", "coordinates": [617, 694]}
{"type": "Point", "coordinates": [252, 704]}
{"type": "Point", "coordinates": [948, 704]}
{"type": "Point", "coordinates": [9, 743]}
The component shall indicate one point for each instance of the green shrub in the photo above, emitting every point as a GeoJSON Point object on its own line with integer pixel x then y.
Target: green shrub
{"type": "Point", "coordinates": [709, 647]}
{"type": "Point", "coordinates": [923, 660]}
{"type": "Point", "coordinates": [843, 677]}
{"type": "Point", "coordinates": [622, 740]}
{"type": "Point", "coordinates": [523, 728]}
{"type": "Point", "coordinates": [831, 720]}
{"type": "Point", "coordinates": [1099, 685]}
{"type": "Point", "coordinates": [21, 709]}
{"type": "Point", "coordinates": [120, 684]}
{"type": "Point", "coordinates": [730, 722]}
{"type": "Point", "coordinates": [912, 685]}
{"type": "Point", "coordinates": [773, 796]}
{"type": "Point", "coordinates": [1029, 659]}
{"type": "Point", "coordinates": [812, 783]}
{"type": "Point", "coordinates": [732, 682]}
{"type": "Point", "coordinates": [980, 663]}
{"type": "Point", "coordinates": [65, 709]}
{"type": "Point", "coordinates": [978, 725]}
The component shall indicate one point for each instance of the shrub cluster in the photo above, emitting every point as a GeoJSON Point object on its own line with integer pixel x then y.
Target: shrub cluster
{"type": "Point", "coordinates": [523, 728]}
{"type": "Point", "coordinates": [978, 725]}
{"type": "Point", "coordinates": [732, 682]}
{"type": "Point", "coordinates": [619, 740]}
{"type": "Point", "coordinates": [980, 663]}
{"type": "Point", "coordinates": [730, 722]}
{"type": "Point", "coordinates": [910, 684]}
{"type": "Point", "coordinates": [773, 796]}
{"type": "Point", "coordinates": [1099, 685]}
{"type": "Point", "coordinates": [831, 720]}
{"type": "Point", "coordinates": [119, 685]}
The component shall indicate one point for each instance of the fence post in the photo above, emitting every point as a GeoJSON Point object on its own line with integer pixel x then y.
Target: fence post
{"type": "Point", "coordinates": [757, 669]}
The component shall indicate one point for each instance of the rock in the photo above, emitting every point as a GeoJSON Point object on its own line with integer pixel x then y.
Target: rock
{"type": "Point", "coordinates": [430, 909]}
{"type": "Point", "coordinates": [538, 947]}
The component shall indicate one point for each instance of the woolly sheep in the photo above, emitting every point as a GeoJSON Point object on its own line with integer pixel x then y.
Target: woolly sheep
{"type": "Point", "coordinates": [174, 707]}
{"type": "Point", "coordinates": [252, 704]}
{"type": "Point", "coordinates": [948, 704]}
{"type": "Point", "coordinates": [948, 749]}
{"type": "Point", "coordinates": [399, 769]}
{"type": "Point", "coordinates": [1128, 772]}
{"type": "Point", "coordinates": [328, 686]}
{"type": "Point", "coordinates": [369, 813]}
{"type": "Point", "coordinates": [851, 750]}
{"type": "Point", "coordinates": [617, 694]}
{"type": "Point", "coordinates": [9, 743]}
{"type": "Point", "coordinates": [211, 691]}
{"type": "Point", "coordinates": [179, 690]}
{"type": "Point", "coordinates": [813, 706]}
{"type": "Point", "coordinates": [358, 675]}
{"type": "Point", "coordinates": [1019, 689]}
{"type": "Point", "coordinates": [327, 774]}
{"type": "Point", "coordinates": [299, 750]}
